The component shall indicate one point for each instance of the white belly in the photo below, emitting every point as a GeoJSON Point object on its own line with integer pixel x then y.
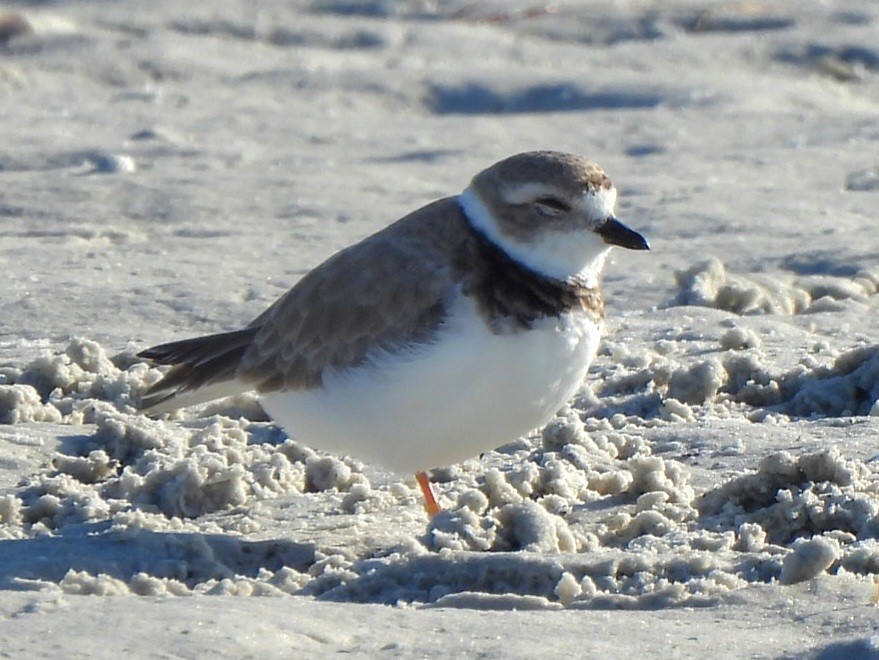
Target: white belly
{"type": "Point", "coordinates": [468, 392]}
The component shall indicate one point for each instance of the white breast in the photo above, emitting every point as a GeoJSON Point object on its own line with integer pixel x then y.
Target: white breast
{"type": "Point", "coordinates": [468, 392]}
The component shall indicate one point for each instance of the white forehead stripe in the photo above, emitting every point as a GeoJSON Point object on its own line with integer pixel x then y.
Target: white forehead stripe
{"type": "Point", "coordinates": [595, 204]}
{"type": "Point", "coordinates": [598, 205]}
{"type": "Point", "coordinates": [528, 192]}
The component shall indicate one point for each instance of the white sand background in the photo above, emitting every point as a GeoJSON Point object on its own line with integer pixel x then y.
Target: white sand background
{"type": "Point", "coordinates": [168, 169]}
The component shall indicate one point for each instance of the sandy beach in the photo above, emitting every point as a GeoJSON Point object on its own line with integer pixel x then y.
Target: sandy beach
{"type": "Point", "coordinates": [170, 169]}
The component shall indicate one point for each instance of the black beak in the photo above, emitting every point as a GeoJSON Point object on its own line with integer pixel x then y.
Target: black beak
{"type": "Point", "coordinates": [615, 232]}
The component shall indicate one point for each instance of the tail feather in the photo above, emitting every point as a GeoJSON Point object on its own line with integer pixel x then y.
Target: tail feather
{"type": "Point", "coordinates": [204, 368]}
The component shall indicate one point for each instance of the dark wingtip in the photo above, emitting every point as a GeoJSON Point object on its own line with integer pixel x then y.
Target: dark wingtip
{"type": "Point", "coordinates": [197, 363]}
{"type": "Point", "coordinates": [147, 353]}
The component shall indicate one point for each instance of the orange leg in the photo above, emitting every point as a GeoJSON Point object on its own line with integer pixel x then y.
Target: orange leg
{"type": "Point", "coordinates": [430, 503]}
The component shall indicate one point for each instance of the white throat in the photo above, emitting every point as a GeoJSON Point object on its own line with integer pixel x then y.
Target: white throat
{"type": "Point", "coordinates": [556, 254]}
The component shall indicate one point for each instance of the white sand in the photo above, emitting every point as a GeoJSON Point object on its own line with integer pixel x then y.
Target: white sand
{"type": "Point", "coordinates": [168, 169]}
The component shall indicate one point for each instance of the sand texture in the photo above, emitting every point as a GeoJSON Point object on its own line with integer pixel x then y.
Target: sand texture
{"type": "Point", "coordinates": [168, 169]}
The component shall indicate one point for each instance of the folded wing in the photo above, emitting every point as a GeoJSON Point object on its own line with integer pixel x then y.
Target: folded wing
{"type": "Point", "coordinates": [387, 293]}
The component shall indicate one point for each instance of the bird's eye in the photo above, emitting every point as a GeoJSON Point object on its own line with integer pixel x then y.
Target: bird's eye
{"type": "Point", "coordinates": [551, 206]}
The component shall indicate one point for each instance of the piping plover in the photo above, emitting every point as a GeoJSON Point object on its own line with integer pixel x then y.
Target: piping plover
{"type": "Point", "coordinates": [460, 327]}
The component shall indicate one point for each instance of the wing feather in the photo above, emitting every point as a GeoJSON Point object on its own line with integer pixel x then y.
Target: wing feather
{"type": "Point", "coordinates": [389, 291]}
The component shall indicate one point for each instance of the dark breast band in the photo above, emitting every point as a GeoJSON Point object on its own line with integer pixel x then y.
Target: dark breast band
{"type": "Point", "coordinates": [512, 296]}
